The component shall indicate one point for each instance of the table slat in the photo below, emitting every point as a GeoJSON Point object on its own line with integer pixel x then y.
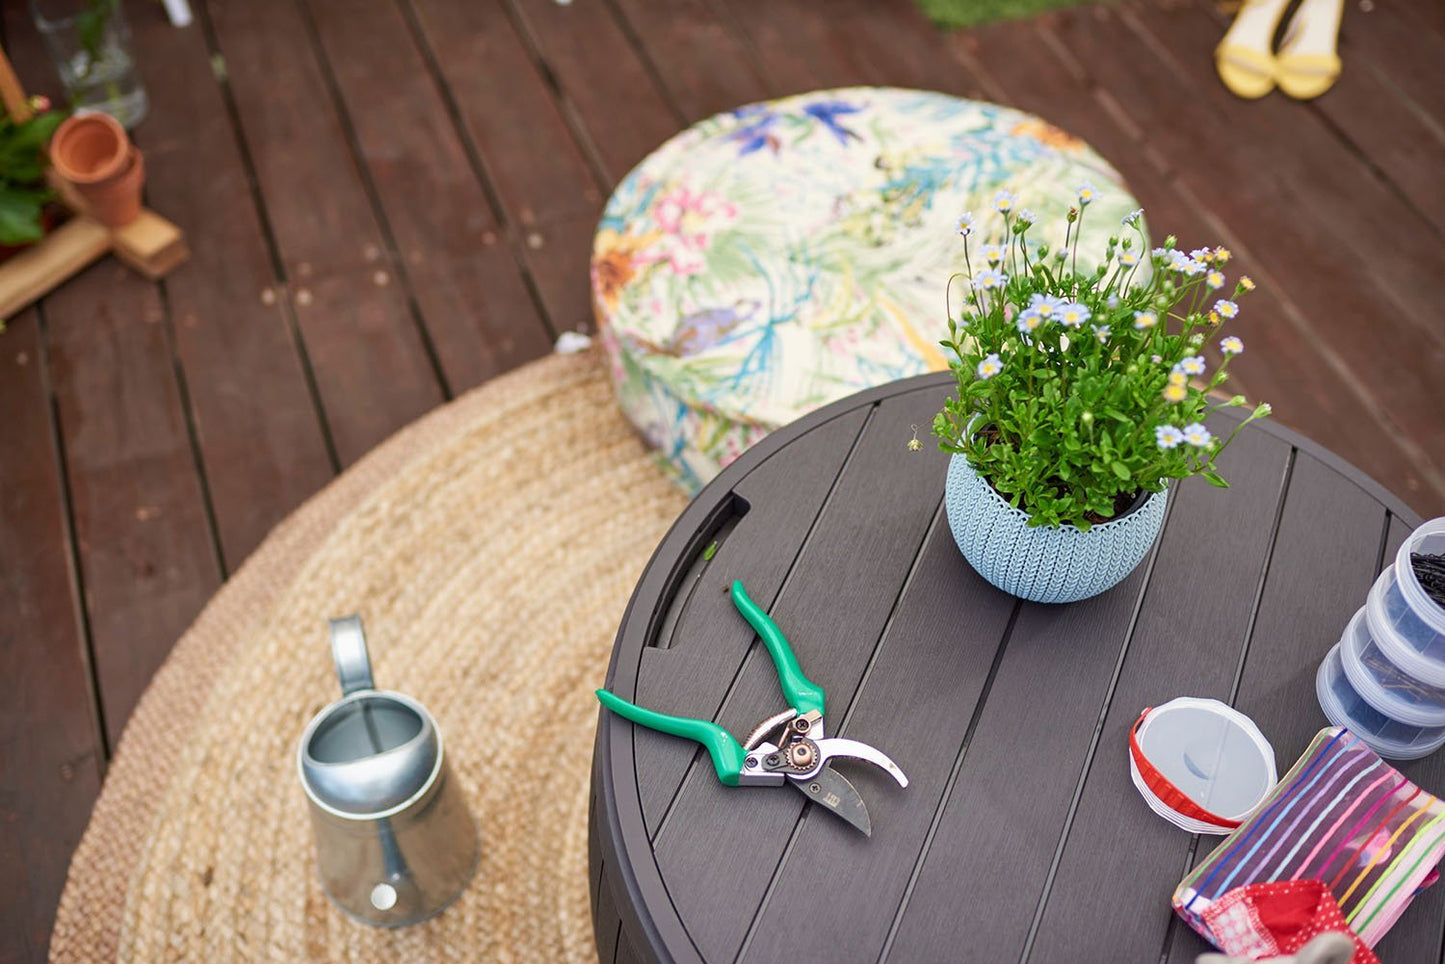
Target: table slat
{"type": "Point", "coordinates": [711, 639]}
{"type": "Point", "coordinates": [923, 692]}
{"type": "Point", "coordinates": [719, 848]}
{"type": "Point", "coordinates": [1325, 557]}
{"type": "Point", "coordinates": [1192, 632]}
{"type": "Point", "coordinates": [983, 874]}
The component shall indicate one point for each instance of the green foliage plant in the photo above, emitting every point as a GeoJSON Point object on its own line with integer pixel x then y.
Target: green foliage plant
{"type": "Point", "coordinates": [23, 159]}
{"type": "Point", "coordinates": [1079, 390]}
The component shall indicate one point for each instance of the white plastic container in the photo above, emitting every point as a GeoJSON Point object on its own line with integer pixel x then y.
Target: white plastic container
{"type": "Point", "coordinates": [1345, 707]}
{"type": "Point", "coordinates": [1201, 764]}
{"type": "Point", "coordinates": [1382, 683]}
{"type": "Point", "coordinates": [1399, 603]}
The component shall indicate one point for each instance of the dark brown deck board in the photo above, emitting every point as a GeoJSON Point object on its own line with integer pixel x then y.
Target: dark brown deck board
{"type": "Point", "coordinates": [1289, 188]}
{"type": "Point", "coordinates": [50, 743]}
{"type": "Point", "coordinates": [465, 148]}
{"type": "Point", "coordinates": [1382, 123]}
{"type": "Point", "coordinates": [262, 441]}
{"type": "Point", "coordinates": [468, 289]}
{"type": "Point", "coordinates": [602, 78]}
{"type": "Point", "coordinates": [1400, 42]}
{"type": "Point", "coordinates": [798, 49]}
{"type": "Point", "coordinates": [1314, 284]}
{"type": "Point", "coordinates": [147, 553]}
{"type": "Point", "coordinates": [519, 129]}
{"type": "Point", "coordinates": [705, 67]}
{"type": "Point", "coordinates": [371, 362]}
{"type": "Point", "coordinates": [1278, 365]}
{"type": "Point", "coordinates": [550, 195]}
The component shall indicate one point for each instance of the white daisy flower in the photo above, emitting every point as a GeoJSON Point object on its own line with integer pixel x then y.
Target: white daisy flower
{"type": "Point", "coordinates": [1045, 305]}
{"type": "Point", "coordinates": [1193, 365]}
{"type": "Point", "coordinates": [988, 279]}
{"type": "Point", "coordinates": [1073, 314]}
{"type": "Point", "coordinates": [1167, 436]}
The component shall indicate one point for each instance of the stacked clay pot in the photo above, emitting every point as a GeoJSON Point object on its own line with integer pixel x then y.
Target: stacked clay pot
{"type": "Point", "coordinates": [93, 153]}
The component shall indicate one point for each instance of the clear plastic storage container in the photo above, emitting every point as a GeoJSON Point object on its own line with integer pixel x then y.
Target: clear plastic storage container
{"type": "Point", "coordinates": [1406, 639]}
{"type": "Point", "coordinates": [1345, 707]}
{"type": "Point", "coordinates": [1399, 603]}
{"type": "Point", "coordinates": [1383, 684]}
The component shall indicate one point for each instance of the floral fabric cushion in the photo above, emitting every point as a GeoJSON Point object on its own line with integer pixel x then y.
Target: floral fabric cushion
{"type": "Point", "coordinates": [780, 256]}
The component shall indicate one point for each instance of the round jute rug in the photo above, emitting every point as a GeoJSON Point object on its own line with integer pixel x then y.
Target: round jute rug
{"type": "Point", "coordinates": [491, 548]}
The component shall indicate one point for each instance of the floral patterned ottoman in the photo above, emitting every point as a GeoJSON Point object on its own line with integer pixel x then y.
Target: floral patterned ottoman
{"type": "Point", "coordinates": [772, 259]}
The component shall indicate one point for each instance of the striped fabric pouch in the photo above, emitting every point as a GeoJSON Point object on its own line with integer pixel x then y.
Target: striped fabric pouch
{"type": "Point", "coordinates": [1341, 815]}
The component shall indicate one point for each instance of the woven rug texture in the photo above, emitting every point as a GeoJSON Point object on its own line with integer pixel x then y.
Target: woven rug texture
{"type": "Point", "coordinates": [491, 548]}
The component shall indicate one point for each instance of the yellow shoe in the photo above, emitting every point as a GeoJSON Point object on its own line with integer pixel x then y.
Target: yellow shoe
{"type": "Point", "coordinates": [1308, 64]}
{"type": "Point", "coordinates": [1247, 72]}
{"type": "Point", "coordinates": [1243, 58]}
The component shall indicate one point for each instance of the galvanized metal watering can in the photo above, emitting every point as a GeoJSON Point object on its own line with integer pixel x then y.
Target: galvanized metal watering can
{"type": "Point", "coordinates": [394, 839]}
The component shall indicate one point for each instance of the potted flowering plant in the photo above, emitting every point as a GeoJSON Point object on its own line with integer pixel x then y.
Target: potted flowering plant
{"type": "Point", "coordinates": [1079, 396]}
{"type": "Point", "coordinates": [25, 197]}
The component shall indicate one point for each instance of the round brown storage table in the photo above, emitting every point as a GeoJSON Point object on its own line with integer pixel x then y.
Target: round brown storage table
{"type": "Point", "coordinates": [1020, 834]}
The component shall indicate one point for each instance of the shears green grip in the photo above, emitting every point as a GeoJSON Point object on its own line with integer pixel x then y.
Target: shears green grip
{"type": "Point", "coordinates": [727, 753]}
{"type": "Point", "coordinates": [803, 694]}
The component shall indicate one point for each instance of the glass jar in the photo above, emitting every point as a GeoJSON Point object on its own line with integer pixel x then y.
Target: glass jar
{"type": "Point", "coordinates": [89, 42]}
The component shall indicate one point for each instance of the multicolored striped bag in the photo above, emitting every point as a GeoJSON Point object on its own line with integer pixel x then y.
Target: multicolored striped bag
{"type": "Point", "coordinates": [1343, 816]}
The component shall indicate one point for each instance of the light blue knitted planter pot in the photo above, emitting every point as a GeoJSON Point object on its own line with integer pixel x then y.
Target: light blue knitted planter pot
{"type": "Point", "coordinates": [1041, 564]}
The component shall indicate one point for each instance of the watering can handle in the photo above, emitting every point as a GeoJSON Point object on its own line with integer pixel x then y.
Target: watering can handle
{"type": "Point", "coordinates": [348, 649]}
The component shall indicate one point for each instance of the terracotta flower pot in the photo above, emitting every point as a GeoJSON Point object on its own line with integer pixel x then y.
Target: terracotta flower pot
{"type": "Point", "coordinates": [93, 153]}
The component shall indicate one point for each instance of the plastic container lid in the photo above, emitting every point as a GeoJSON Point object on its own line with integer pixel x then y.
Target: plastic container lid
{"type": "Point", "coordinates": [1345, 707]}
{"type": "Point", "coordinates": [1384, 685]}
{"type": "Point", "coordinates": [1201, 764]}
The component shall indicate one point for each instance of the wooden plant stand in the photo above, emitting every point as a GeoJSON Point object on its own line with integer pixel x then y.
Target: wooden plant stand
{"type": "Point", "coordinates": [150, 244]}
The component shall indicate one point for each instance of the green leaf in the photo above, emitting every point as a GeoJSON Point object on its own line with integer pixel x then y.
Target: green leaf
{"type": "Point", "coordinates": [1120, 469]}
{"type": "Point", "coordinates": [1214, 479]}
{"type": "Point", "coordinates": [20, 216]}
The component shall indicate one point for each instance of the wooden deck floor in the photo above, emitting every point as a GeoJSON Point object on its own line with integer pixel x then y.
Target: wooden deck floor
{"type": "Point", "coordinates": [390, 201]}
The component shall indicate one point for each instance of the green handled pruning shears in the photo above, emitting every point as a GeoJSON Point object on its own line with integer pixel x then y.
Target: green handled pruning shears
{"type": "Point", "coordinates": [790, 747]}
